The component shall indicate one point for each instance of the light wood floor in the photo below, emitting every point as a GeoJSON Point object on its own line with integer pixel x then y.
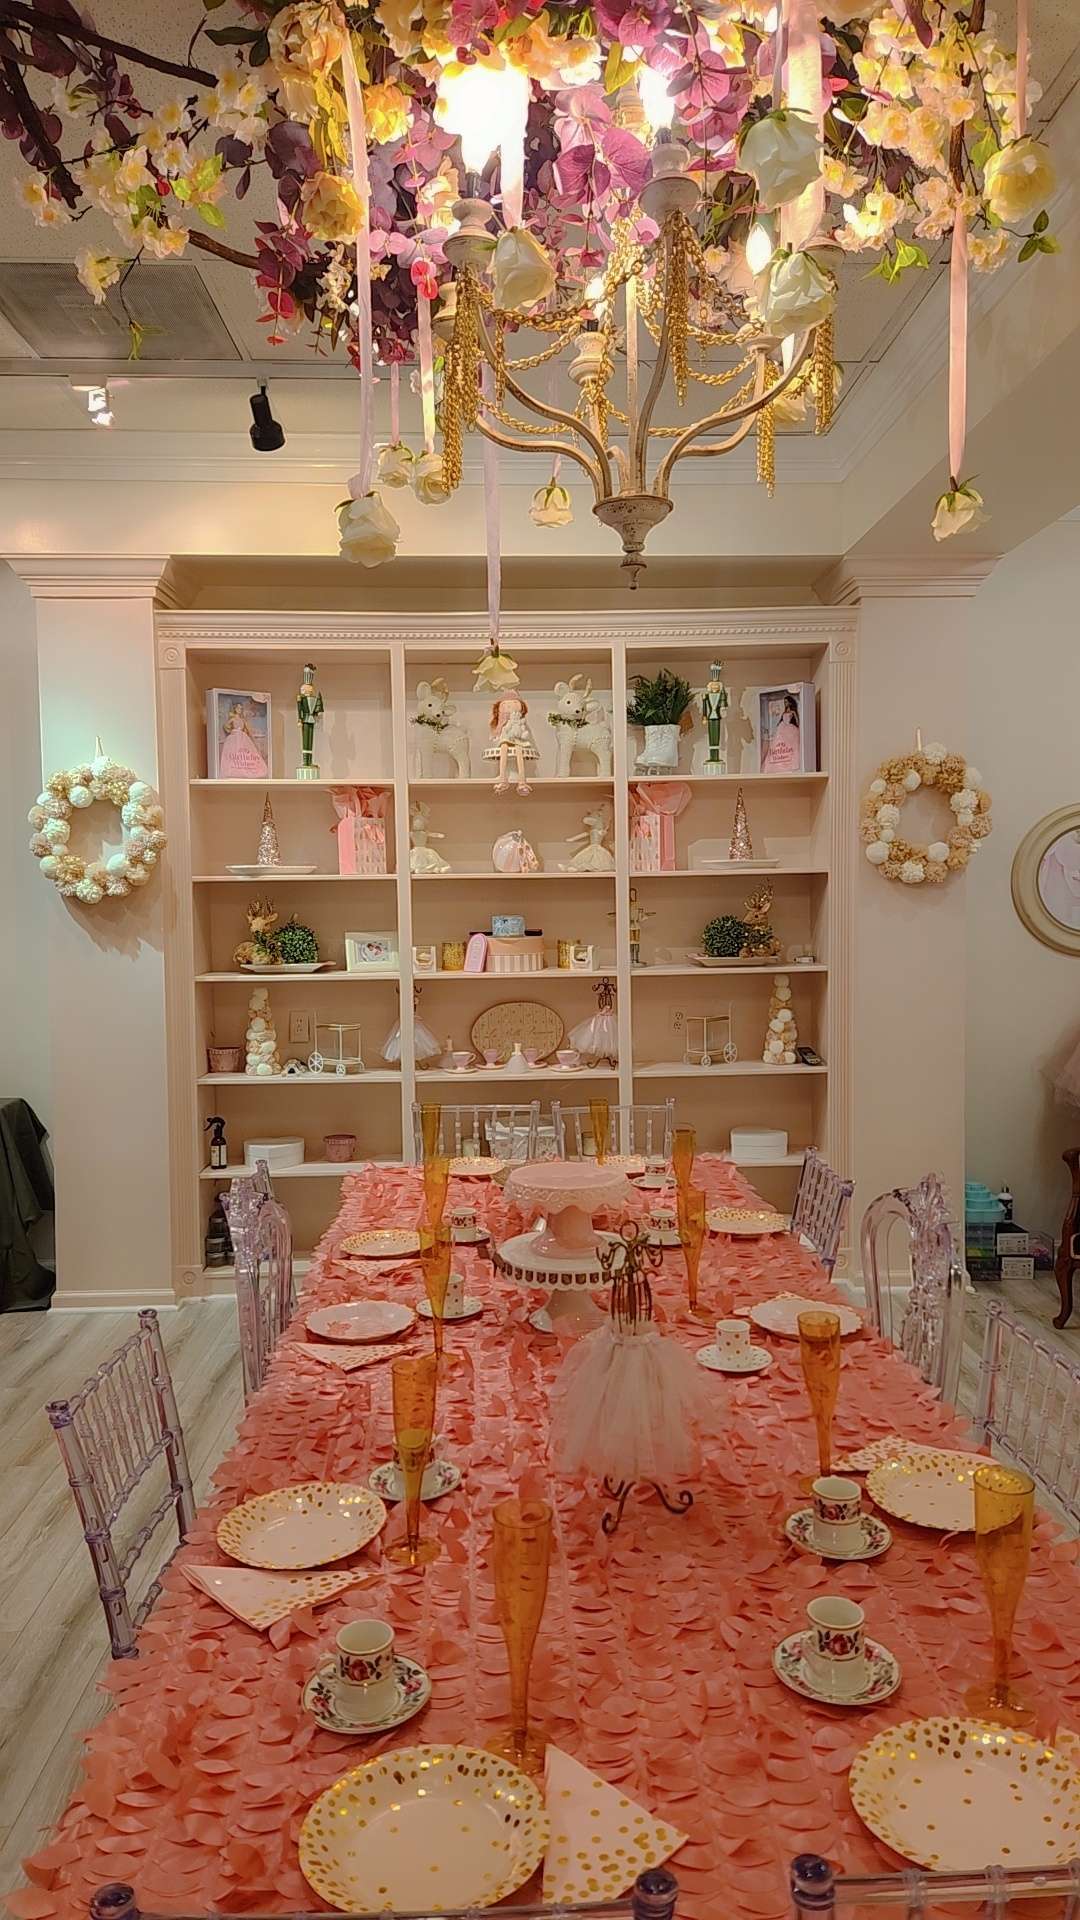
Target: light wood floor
{"type": "Point", "coordinates": [53, 1643]}
{"type": "Point", "coordinates": [52, 1634]}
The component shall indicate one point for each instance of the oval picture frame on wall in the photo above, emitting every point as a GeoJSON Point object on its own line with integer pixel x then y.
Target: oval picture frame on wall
{"type": "Point", "coordinates": [1046, 879]}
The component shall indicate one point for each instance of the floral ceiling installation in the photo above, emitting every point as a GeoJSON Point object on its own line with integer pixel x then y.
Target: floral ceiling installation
{"type": "Point", "coordinates": [525, 180]}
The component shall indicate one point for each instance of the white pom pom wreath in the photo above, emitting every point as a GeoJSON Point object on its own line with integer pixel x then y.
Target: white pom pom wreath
{"type": "Point", "coordinates": [140, 815]}
{"type": "Point", "coordinates": [881, 828]}
{"type": "Point", "coordinates": [877, 854]}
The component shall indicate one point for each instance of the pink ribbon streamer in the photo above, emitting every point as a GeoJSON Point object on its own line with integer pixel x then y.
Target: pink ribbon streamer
{"type": "Point", "coordinates": [1023, 54]}
{"type": "Point", "coordinates": [395, 402]}
{"type": "Point", "coordinates": [492, 520]}
{"type": "Point", "coordinates": [427, 368]}
{"type": "Point", "coordinates": [354, 100]}
{"type": "Point", "coordinates": [800, 219]}
{"type": "Point", "coordinates": [958, 347]}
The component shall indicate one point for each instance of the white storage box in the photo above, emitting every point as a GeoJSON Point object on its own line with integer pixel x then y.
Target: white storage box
{"type": "Point", "coordinates": [287, 1152]}
{"type": "Point", "coordinates": [752, 1145]}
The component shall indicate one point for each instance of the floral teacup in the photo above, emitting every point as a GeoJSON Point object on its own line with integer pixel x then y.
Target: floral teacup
{"type": "Point", "coordinates": [833, 1649]}
{"type": "Point", "coordinates": [837, 1513]}
{"type": "Point", "coordinates": [365, 1669]}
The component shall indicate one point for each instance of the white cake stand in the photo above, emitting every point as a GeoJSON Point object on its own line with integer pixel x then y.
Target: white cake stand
{"type": "Point", "coordinates": [561, 1253]}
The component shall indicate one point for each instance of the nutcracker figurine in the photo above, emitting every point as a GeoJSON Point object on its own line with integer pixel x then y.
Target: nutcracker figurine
{"type": "Point", "coordinates": [714, 708]}
{"type": "Point", "coordinates": [309, 707]}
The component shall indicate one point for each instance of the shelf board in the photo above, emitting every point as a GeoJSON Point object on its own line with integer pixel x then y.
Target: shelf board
{"type": "Point", "coordinates": [776, 1160]}
{"type": "Point", "coordinates": [289, 879]}
{"type": "Point", "coordinates": [307, 1170]}
{"type": "Point", "coordinates": [687, 971]}
{"type": "Point", "coordinates": [762, 780]}
{"type": "Point", "coordinates": [501, 979]}
{"type": "Point", "coordinates": [332, 978]}
{"type": "Point", "coordinates": [489, 874]}
{"type": "Point", "coordinates": [298, 786]}
{"type": "Point", "coordinates": [383, 1075]}
{"type": "Point", "coordinates": [479, 783]}
{"type": "Point", "coordinates": [447, 1075]}
{"type": "Point", "coordinates": [737, 872]}
{"type": "Point", "coordinates": [739, 1069]}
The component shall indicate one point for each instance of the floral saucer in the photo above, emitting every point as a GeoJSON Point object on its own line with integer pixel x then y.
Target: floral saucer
{"type": "Point", "coordinates": [470, 1307]}
{"type": "Point", "coordinates": [755, 1360]}
{"type": "Point", "coordinates": [882, 1674]}
{"type": "Point", "coordinates": [323, 1702]}
{"type": "Point", "coordinates": [799, 1528]}
{"type": "Point", "coordinates": [440, 1476]}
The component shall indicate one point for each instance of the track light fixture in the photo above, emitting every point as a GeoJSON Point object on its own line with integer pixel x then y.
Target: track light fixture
{"type": "Point", "coordinates": [267, 434]}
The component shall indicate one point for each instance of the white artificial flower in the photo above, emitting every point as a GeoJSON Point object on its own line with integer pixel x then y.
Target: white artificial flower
{"type": "Point", "coordinates": [958, 509]}
{"type": "Point", "coordinates": [782, 152]}
{"type": "Point", "coordinates": [551, 506]}
{"type": "Point", "coordinates": [888, 816]}
{"type": "Point", "coordinates": [912, 780]}
{"type": "Point", "coordinates": [966, 818]}
{"type": "Point", "coordinates": [394, 465]}
{"type": "Point", "coordinates": [369, 532]}
{"type": "Point", "coordinates": [987, 251]}
{"type": "Point", "coordinates": [964, 800]}
{"type": "Point", "coordinates": [56, 832]}
{"type": "Point", "coordinates": [429, 484]}
{"type": "Point", "coordinates": [887, 833]}
{"type": "Point", "coordinates": [879, 786]}
{"type": "Point", "coordinates": [841, 12]}
{"type": "Point", "coordinates": [81, 796]}
{"type": "Point", "coordinates": [912, 872]}
{"type": "Point", "coordinates": [35, 195]}
{"type": "Point", "coordinates": [1018, 180]}
{"type": "Point", "coordinates": [798, 296]}
{"type": "Point", "coordinates": [521, 271]}
{"type": "Point", "coordinates": [97, 272]}
{"type": "Point", "coordinates": [877, 853]}
{"type": "Point", "coordinates": [938, 850]}
{"type": "Point", "coordinates": [972, 777]}
{"type": "Point", "coordinates": [935, 753]}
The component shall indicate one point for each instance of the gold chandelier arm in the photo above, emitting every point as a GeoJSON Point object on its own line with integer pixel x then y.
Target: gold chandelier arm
{"type": "Point", "coordinates": [543, 446]}
{"type": "Point", "coordinates": [548, 412]}
{"type": "Point", "coordinates": [746, 411]}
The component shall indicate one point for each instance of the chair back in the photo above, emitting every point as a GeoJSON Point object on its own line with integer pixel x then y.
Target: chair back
{"type": "Point", "coordinates": [262, 1253]}
{"type": "Point", "coordinates": [120, 1425]}
{"type": "Point", "coordinates": [1029, 1406]}
{"type": "Point", "coordinates": [506, 1133]}
{"type": "Point", "coordinates": [633, 1129]}
{"type": "Point", "coordinates": [924, 1318]}
{"type": "Point", "coordinates": [816, 1888]}
{"type": "Point", "coordinates": [821, 1203]}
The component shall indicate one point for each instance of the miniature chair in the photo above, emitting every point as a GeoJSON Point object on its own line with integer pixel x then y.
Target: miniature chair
{"type": "Point", "coordinates": [641, 1130]}
{"type": "Point", "coordinates": [821, 1204]}
{"type": "Point", "coordinates": [816, 1888]}
{"type": "Point", "coordinates": [1029, 1407]}
{"type": "Point", "coordinates": [111, 1433]}
{"type": "Point", "coordinates": [506, 1133]}
{"type": "Point", "coordinates": [924, 1317]}
{"type": "Point", "coordinates": [262, 1252]}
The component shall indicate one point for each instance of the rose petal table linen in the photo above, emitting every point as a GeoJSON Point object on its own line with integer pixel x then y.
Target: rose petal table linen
{"type": "Point", "coordinates": [654, 1663]}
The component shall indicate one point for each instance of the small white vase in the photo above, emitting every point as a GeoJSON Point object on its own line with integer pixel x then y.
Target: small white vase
{"type": "Point", "coordinates": [661, 749]}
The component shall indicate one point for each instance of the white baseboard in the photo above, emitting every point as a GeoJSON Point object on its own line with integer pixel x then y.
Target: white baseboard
{"type": "Point", "coordinates": [122, 1302]}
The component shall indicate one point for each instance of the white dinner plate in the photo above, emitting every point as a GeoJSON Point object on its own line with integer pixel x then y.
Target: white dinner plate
{"type": "Point", "coordinates": [781, 1314]}
{"type": "Point", "coordinates": [359, 1321]}
{"type": "Point", "coordinates": [304, 1526]}
{"type": "Point", "coordinates": [928, 1488]}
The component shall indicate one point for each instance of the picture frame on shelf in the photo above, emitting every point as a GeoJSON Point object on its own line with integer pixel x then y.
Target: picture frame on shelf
{"type": "Point", "coordinates": [371, 953]}
{"type": "Point", "coordinates": [237, 734]}
{"type": "Point", "coordinates": [783, 728]}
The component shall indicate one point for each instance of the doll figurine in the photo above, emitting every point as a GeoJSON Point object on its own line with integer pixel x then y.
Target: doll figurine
{"type": "Point", "coordinates": [511, 733]}
{"type": "Point", "coordinates": [422, 857]}
{"type": "Point", "coordinates": [594, 856]}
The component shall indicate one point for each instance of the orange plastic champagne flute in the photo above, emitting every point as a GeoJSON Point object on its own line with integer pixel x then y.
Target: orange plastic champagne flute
{"type": "Point", "coordinates": [522, 1554]}
{"type": "Point", "coordinates": [430, 1129]}
{"type": "Point", "coordinates": [414, 1388]}
{"type": "Point", "coordinates": [819, 1351]}
{"type": "Point", "coordinates": [1004, 1511]}
{"type": "Point", "coordinates": [600, 1116]}
{"type": "Point", "coordinates": [683, 1142]}
{"type": "Point", "coordinates": [436, 1251]}
{"type": "Point", "coordinates": [691, 1211]}
{"type": "Point", "coordinates": [436, 1182]}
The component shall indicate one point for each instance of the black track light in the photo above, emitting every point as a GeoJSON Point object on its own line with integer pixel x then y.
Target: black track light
{"type": "Point", "coordinates": [267, 434]}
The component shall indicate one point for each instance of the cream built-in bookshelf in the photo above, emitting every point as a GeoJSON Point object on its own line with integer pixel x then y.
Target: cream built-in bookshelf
{"type": "Point", "coordinates": [368, 667]}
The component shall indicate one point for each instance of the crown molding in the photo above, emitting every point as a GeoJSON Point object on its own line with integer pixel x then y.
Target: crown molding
{"type": "Point", "coordinates": [464, 632]}
{"type": "Point", "coordinates": [924, 577]}
{"type": "Point", "coordinates": [94, 576]}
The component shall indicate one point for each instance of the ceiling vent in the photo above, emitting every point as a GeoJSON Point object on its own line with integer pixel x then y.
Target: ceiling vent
{"type": "Point", "coordinates": [44, 302]}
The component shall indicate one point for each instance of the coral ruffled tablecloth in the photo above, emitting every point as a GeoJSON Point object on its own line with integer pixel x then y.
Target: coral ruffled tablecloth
{"type": "Point", "coordinates": [653, 1665]}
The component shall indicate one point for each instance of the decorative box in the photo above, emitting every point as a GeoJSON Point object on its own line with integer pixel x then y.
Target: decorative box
{"type": "Point", "coordinates": [654, 807]}
{"type": "Point", "coordinates": [360, 830]}
{"type": "Point", "coordinates": [645, 843]}
{"type": "Point", "coordinates": [752, 1146]}
{"type": "Point", "coordinates": [284, 1152]}
{"type": "Point", "coordinates": [508, 926]}
{"type": "Point", "coordinates": [523, 953]}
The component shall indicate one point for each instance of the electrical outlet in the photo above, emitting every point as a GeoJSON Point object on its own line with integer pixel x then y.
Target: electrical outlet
{"type": "Point", "coordinates": [300, 1033]}
{"type": "Point", "coordinates": [678, 1019]}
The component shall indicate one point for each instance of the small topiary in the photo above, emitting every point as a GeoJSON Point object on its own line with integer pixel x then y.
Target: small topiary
{"type": "Point", "coordinates": [296, 945]}
{"type": "Point", "coordinates": [723, 937]}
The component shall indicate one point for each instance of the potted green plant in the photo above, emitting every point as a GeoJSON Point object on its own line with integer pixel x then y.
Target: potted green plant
{"type": "Point", "coordinates": [659, 705]}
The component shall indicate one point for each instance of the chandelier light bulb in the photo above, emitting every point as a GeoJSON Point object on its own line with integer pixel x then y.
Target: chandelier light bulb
{"type": "Point", "coordinates": [771, 20]}
{"type": "Point", "coordinates": [760, 244]}
{"type": "Point", "coordinates": [486, 107]}
{"type": "Point", "coordinates": [657, 103]}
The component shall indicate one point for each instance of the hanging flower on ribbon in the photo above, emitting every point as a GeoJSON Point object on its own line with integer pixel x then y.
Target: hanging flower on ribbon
{"type": "Point", "coordinates": [369, 532]}
{"type": "Point", "coordinates": [798, 295]}
{"type": "Point", "coordinates": [522, 273]}
{"type": "Point", "coordinates": [959, 510]}
{"type": "Point", "coordinates": [1018, 180]}
{"type": "Point", "coordinates": [428, 482]}
{"type": "Point", "coordinates": [552, 505]}
{"type": "Point", "coordinates": [782, 151]}
{"type": "Point", "coordinates": [495, 670]}
{"type": "Point", "coordinates": [394, 464]}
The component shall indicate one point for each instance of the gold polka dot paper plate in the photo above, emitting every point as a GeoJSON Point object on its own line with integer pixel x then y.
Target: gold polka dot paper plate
{"type": "Point", "coordinates": [746, 1220]}
{"type": "Point", "coordinates": [477, 1166]}
{"type": "Point", "coordinates": [381, 1243]}
{"type": "Point", "coordinates": [423, 1829]}
{"type": "Point", "coordinates": [928, 1488]}
{"type": "Point", "coordinates": [960, 1795]}
{"type": "Point", "coordinates": [304, 1526]}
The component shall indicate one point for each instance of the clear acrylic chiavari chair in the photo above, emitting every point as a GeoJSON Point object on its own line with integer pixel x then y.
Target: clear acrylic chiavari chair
{"type": "Point", "coordinates": [821, 1204]}
{"type": "Point", "coordinates": [112, 1434]}
{"type": "Point", "coordinates": [923, 1316]}
{"type": "Point", "coordinates": [262, 1253]}
{"type": "Point", "coordinates": [817, 1889]}
{"type": "Point", "coordinates": [506, 1133]}
{"type": "Point", "coordinates": [1029, 1407]}
{"type": "Point", "coordinates": [654, 1896]}
{"type": "Point", "coordinates": [643, 1130]}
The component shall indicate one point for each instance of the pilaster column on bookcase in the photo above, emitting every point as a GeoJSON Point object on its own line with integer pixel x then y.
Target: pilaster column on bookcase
{"type": "Point", "coordinates": [908, 999]}
{"type": "Point", "coordinates": [103, 966]}
{"type": "Point", "coordinates": [839, 1050]}
{"type": "Point", "coordinates": [621, 792]}
{"type": "Point", "coordinates": [187, 1154]}
{"type": "Point", "coordinates": [398, 700]}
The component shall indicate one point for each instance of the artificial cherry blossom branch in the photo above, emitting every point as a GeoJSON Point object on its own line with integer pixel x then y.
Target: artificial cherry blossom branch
{"type": "Point", "coordinates": [14, 13]}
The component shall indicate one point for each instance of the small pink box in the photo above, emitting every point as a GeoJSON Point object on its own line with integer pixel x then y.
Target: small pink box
{"type": "Point", "coordinates": [339, 1146]}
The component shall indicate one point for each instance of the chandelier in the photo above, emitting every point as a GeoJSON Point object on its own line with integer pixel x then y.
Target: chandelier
{"type": "Point", "coordinates": [645, 199]}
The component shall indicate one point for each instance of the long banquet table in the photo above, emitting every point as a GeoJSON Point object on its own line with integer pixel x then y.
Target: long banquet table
{"type": "Point", "coordinates": [654, 1660]}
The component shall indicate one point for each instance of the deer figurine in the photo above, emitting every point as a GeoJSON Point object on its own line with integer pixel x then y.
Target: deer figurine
{"type": "Point", "coordinates": [580, 722]}
{"type": "Point", "coordinates": [438, 731]}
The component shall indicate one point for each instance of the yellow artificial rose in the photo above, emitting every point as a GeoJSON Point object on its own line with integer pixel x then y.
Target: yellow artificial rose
{"type": "Point", "coordinates": [369, 533]}
{"type": "Point", "coordinates": [960, 508]}
{"type": "Point", "coordinates": [521, 272]}
{"type": "Point", "coordinates": [394, 464]}
{"type": "Point", "coordinates": [1018, 180]}
{"type": "Point", "coordinates": [386, 111]}
{"type": "Point", "coordinates": [330, 207]}
{"type": "Point", "coordinates": [306, 38]}
{"type": "Point", "coordinates": [551, 506]}
{"type": "Point", "coordinates": [427, 477]}
{"type": "Point", "coordinates": [799, 295]}
{"type": "Point", "coordinates": [554, 60]}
